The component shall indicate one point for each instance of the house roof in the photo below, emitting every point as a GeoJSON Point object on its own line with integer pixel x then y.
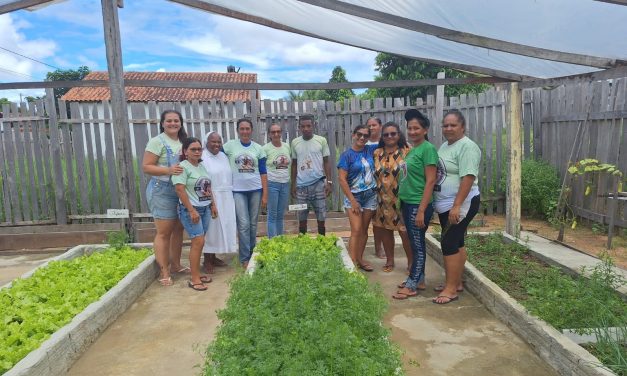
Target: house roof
{"type": "Point", "coordinates": [145, 94]}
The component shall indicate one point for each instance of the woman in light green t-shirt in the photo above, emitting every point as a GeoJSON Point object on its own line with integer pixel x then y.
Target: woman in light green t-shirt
{"type": "Point", "coordinates": [193, 187]}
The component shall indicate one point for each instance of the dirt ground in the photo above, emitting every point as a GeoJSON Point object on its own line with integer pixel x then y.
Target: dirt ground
{"type": "Point", "coordinates": [582, 238]}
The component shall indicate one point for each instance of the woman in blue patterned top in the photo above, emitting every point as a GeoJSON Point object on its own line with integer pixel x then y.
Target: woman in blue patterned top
{"type": "Point", "coordinates": [356, 177]}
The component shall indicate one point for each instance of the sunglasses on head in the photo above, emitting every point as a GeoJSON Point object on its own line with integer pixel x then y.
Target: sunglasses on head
{"type": "Point", "coordinates": [390, 134]}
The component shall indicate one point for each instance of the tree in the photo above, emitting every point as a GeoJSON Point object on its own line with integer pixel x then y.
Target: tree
{"type": "Point", "coordinates": [337, 75]}
{"type": "Point", "coordinates": [4, 101]}
{"type": "Point", "coordinates": [393, 67]}
{"type": "Point", "coordinates": [66, 75]}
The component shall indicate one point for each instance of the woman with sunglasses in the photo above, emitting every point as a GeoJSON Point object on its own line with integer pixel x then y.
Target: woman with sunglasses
{"type": "Point", "coordinates": [278, 164]}
{"type": "Point", "coordinates": [193, 188]}
{"type": "Point", "coordinates": [389, 168]}
{"type": "Point", "coordinates": [356, 178]}
{"type": "Point", "coordinates": [415, 193]}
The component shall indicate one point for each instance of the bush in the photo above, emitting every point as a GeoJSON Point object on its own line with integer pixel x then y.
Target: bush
{"type": "Point", "coordinates": [302, 313]}
{"type": "Point", "coordinates": [540, 186]}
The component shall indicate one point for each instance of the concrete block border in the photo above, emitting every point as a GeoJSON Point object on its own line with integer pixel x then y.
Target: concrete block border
{"type": "Point", "coordinates": [559, 351]}
{"type": "Point", "coordinates": [57, 354]}
{"type": "Point", "coordinates": [346, 259]}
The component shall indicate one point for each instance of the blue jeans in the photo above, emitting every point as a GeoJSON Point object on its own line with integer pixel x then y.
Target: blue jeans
{"type": "Point", "coordinates": [417, 240]}
{"type": "Point", "coordinates": [247, 206]}
{"type": "Point", "coordinates": [278, 193]}
{"type": "Point", "coordinates": [195, 229]}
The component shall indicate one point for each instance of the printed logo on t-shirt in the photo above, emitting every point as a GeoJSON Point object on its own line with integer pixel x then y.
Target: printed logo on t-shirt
{"type": "Point", "coordinates": [245, 163]}
{"type": "Point", "coordinates": [440, 175]}
{"type": "Point", "coordinates": [306, 164]}
{"type": "Point", "coordinates": [402, 167]}
{"type": "Point", "coordinates": [202, 188]}
{"type": "Point", "coordinates": [367, 171]}
{"type": "Point", "coordinates": [281, 162]}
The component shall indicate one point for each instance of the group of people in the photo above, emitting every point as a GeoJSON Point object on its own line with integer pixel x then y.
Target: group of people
{"type": "Point", "coordinates": [215, 191]}
{"type": "Point", "coordinates": [398, 185]}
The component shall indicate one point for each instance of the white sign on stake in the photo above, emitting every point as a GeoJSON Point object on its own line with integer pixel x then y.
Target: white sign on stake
{"type": "Point", "coordinates": [117, 213]}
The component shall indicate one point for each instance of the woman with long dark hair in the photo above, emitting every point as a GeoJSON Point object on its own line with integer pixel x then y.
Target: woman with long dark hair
{"type": "Point", "coordinates": [161, 161]}
{"type": "Point", "coordinates": [193, 188]}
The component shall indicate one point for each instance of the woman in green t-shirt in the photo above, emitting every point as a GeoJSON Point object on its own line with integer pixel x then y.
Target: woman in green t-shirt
{"type": "Point", "coordinates": [193, 187]}
{"type": "Point", "coordinates": [415, 192]}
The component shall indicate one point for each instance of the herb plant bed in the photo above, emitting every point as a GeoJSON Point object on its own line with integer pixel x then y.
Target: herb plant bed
{"type": "Point", "coordinates": [50, 315]}
{"type": "Point", "coordinates": [541, 290]}
{"type": "Point", "coordinates": [302, 313]}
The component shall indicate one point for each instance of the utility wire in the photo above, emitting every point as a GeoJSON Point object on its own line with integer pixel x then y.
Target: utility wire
{"type": "Point", "coordinates": [15, 72]}
{"type": "Point", "coordinates": [29, 58]}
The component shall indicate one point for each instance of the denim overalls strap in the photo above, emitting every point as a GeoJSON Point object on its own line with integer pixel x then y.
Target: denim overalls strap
{"type": "Point", "coordinates": [171, 157]}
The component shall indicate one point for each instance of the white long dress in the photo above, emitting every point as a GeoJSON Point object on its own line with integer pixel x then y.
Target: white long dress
{"type": "Point", "coordinates": [221, 237]}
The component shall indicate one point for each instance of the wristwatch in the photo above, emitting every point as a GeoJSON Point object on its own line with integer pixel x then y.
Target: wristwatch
{"type": "Point", "coordinates": [329, 181]}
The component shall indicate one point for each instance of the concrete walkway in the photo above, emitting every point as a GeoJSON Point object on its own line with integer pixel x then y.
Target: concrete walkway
{"type": "Point", "coordinates": [167, 329]}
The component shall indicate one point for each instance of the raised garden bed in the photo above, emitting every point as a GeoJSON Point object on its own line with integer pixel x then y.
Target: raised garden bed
{"type": "Point", "coordinates": [50, 315]}
{"type": "Point", "coordinates": [302, 312]}
{"type": "Point", "coordinates": [518, 288]}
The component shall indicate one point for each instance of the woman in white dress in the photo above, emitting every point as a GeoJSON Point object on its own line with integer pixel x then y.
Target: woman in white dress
{"type": "Point", "coordinates": [221, 237]}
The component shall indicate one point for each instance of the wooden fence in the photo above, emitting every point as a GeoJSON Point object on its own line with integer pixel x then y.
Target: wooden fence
{"type": "Point", "coordinates": [28, 179]}
{"type": "Point", "coordinates": [570, 123]}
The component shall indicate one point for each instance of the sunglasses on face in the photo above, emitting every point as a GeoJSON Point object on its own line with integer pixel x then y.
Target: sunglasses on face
{"type": "Point", "coordinates": [390, 135]}
{"type": "Point", "coordinates": [449, 126]}
{"type": "Point", "coordinates": [195, 149]}
{"type": "Point", "coordinates": [362, 135]}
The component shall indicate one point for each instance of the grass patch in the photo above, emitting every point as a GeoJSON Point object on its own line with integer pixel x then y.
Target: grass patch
{"type": "Point", "coordinates": [34, 308]}
{"type": "Point", "coordinates": [563, 301]}
{"type": "Point", "coordinates": [302, 313]}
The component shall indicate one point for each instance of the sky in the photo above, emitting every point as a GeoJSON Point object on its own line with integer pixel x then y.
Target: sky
{"type": "Point", "coordinates": [158, 35]}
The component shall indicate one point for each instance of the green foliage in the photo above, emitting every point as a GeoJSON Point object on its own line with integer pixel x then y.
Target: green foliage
{"type": "Point", "coordinates": [393, 67]}
{"type": "Point", "coordinates": [610, 348]}
{"type": "Point", "coordinates": [4, 101]}
{"type": "Point", "coordinates": [561, 300]}
{"type": "Point", "coordinates": [337, 75]}
{"type": "Point", "coordinates": [118, 239]}
{"type": "Point", "coordinates": [540, 186]}
{"type": "Point", "coordinates": [302, 313]}
{"type": "Point", "coordinates": [66, 75]}
{"type": "Point", "coordinates": [34, 308]}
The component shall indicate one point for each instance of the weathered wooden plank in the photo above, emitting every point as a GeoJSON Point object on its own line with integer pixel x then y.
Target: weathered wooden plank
{"type": "Point", "coordinates": [100, 163]}
{"type": "Point", "coordinates": [399, 115]}
{"type": "Point", "coordinates": [153, 129]}
{"type": "Point", "coordinates": [112, 174]}
{"type": "Point", "coordinates": [491, 134]}
{"type": "Point", "coordinates": [89, 161]}
{"type": "Point", "coordinates": [481, 136]}
{"type": "Point", "coordinates": [527, 123]}
{"type": "Point", "coordinates": [499, 120]}
{"type": "Point", "coordinates": [4, 175]}
{"type": "Point", "coordinates": [21, 168]}
{"type": "Point", "coordinates": [55, 154]}
{"type": "Point", "coordinates": [45, 162]}
{"type": "Point", "coordinates": [64, 127]}
{"type": "Point", "coordinates": [205, 124]}
{"type": "Point", "coordinates": [30, 162]}
{"type": "Point", "coordinates": [80, 154]}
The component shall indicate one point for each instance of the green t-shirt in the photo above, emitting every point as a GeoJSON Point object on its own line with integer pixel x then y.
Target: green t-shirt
{"type": "Point", "coordinates": [197, 183]}
{"type": "Point", "coordinates": [244, 162]}
{"type": "Point", "coordinates": [413, 179]}
{"type": "Point", "coordinates": [460, 159]}
{"type": "Point", "coordinates": [309, 155]}
{"type": "Point", "coordinates": [156, 147]}
{"type": "Point", "coordinates": [278, 162]}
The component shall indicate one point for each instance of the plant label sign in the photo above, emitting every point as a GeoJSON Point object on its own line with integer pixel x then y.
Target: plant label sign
{"type": "Point", "coordinates": [117, 213]}
{"type": "Point", "coordinates": [297, 207]}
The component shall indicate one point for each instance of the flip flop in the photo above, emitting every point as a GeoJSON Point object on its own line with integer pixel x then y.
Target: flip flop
{"type": "Point", "coordinates": [193, 286]}
{"type": "Point", "coordinates": [402, 285]}
{"type": "Point", "coordinates": [450, 299]}
{"type": "Point", "coordinates": [388, 268]}
{"type": "Point", "coordinates": [219, 263]}
{"type": "Point", "coordinates": [184, 269]}
{"type": "Point", "coordinates": [440, 288]}
{"type": "Point", "coordinates": [366, 267]}
{"type": "Point", "coordinates": [166, 281]}
{"type": "Point", "coordinates": [402, 296]}
{"type": "Point", "coordinates": [205, 279]}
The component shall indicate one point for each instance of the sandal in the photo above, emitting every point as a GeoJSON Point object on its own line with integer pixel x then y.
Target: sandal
{"type": "Point", "coordinates": [440, 288]}
{"type": "Point", "coordinates": [193, 286]}
{"type": "Point", "coordinates": [450, 299]}
{"type": "Point", "coordinates": [219, 263]}
{"type": "Point", "coordinates": [418, 288]}
{"type": "Point", "coordinates": [388, 268]}
{"type": "Point", "coordinates": [366, 267]}
{"type": "Point", "coordinates": [404, 295]}
{"type": "Point", "coordinates": [184, 269]}
{"type": "Point", "coordinates": [166, 281]}
{"type": "Point", "coordinates": [205, 279]}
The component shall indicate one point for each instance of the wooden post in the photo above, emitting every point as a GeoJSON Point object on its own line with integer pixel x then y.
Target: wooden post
{"type": "Point", "coordinates": [119, 111]}
{"type": "Point", "coordinates": [254, 116]}
{"type": "Point", "coordinates": [55, 154]}
{"type": "Point", "coordinates": [612, 209]}
{"type": "Point", "coordinates": [439, 102]}
{"type": "Point", "coordinates": [514, 159]}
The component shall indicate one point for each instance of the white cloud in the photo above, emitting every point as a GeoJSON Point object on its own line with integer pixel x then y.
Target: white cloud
{"type": "Point", "coordinates": [17, 68]}
{"type": "Point", "coordinates": [161, 70]}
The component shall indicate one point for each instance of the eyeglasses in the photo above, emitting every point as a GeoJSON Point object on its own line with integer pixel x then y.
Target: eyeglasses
{"type": "Point", "coordinates": [275, 132]}
{"type": "Point", "coordinates": [195, 149]}
{"type": "Point", "coordinates": [362, 135]}
{"type": "Point", "coordinates": [390, 135]}
{"type": "Point", "coordinates": [449, 126]}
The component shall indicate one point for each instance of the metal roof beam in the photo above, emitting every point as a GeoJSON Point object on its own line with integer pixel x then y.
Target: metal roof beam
{"type": "Point", "coordinates": [465, 38]}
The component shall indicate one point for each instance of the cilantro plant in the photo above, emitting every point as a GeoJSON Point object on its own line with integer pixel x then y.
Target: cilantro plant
{"type": "Point", "coordinates": [34, 308]}
{"type": "Point", "coordinates": [302, 313]}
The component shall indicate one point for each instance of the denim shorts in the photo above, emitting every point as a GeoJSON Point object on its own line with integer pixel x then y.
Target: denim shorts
{"type": "Point", "coordinates": [366, 199]}
{"type": "Point", "coordinates": [162, 199]}
{"type": "Point", "coordinates": [195, 229]}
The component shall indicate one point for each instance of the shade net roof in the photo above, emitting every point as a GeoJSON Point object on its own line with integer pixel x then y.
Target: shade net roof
{"type": "Point", "coordinates": [585, 27]}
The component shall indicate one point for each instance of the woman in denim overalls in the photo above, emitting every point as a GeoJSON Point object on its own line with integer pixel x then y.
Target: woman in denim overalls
{"type": "Point", "coordinates": [161, 161]}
